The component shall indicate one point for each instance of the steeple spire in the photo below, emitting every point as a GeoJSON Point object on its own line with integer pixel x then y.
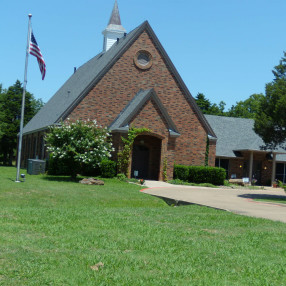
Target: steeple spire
{"type": "Point", "coordinates": [114, 29]}
{"type": "Point", "coordinates": [115, 17]}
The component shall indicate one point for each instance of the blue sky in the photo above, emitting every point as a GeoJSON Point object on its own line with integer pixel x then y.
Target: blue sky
{"type": "Point", "coordinates": [225, 49]}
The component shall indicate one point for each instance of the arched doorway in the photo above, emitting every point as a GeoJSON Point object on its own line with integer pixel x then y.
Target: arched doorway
{"type": "Point", "coordinates": [146, 155]}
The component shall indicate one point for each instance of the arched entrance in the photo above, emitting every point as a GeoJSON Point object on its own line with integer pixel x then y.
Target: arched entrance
{"type": "Point", "coordinates": [146, 155]}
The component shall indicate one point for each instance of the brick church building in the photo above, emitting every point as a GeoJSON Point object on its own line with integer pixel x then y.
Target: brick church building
{"type": "Point", "coordinates": [132, 82]}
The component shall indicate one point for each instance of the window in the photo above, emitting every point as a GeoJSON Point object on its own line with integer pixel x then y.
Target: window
{"type": "Point", "coordinates": [280, 172]}
{"type": "Point", "coordinates": [222, 163]}
{"type": "Point", "coordinates": [41, 148]}
{"type": "Point", "coordinates": [35, 148]}
{"type": "Point", "coordinates": [143, 59]}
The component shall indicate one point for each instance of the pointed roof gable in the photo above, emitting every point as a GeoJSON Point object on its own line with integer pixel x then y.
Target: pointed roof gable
{"type": "Point", "coordinates": [88, 75]}
{"type": "Point", "coordinates": [121, 123]}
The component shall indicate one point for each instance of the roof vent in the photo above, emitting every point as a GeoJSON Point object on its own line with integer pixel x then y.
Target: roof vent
{"type": "Point", "coordinates": [74, 69]}
{"type": "Point", "coordinates": [117, 40]}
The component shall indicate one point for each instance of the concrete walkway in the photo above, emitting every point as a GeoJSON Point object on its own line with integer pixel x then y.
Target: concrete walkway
{"type": "Point", "coordinates": [239, 201]}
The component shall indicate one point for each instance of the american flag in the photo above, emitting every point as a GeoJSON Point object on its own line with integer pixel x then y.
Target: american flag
{"type": "Point", "coordinates": [35, 51]}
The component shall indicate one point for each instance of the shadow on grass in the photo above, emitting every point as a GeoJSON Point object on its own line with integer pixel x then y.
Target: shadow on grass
{"type": "Point", "coordinates": [173, 202]}
{"type": "Point", "coordinates": [272, 198]}
{"type": "Point", "coordinates": [61, 179]}
{"type": "Point", "coordinates": [6, 166]}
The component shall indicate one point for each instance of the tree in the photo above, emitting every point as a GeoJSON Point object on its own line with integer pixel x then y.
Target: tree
{"type": "Point", "coordinates": [280, 70]}
{"type": "Point", "coordinates": [247, 108]}
{"type": "Point", "coordinates": [10, 106]}
{"type": "Point", "coordinates": [2, 124]}
{"type": "Point", "coordinates": [79, 144]}
{"type": "Point", "coordinates": [270, 122]}
{"type": "Point", "coordinates": [207, 107]}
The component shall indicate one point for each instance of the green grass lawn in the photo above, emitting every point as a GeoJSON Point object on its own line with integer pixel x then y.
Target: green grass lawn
{"type": "Point", "coordinates": [272, 200]}
{"type": "Point", "coordinates": [53, 231]}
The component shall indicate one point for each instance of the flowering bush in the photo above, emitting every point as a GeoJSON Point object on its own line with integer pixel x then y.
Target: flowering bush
{"type": "Point", "coordinates": [253, 182]}
{"type": "Point", "coordinates": [79, 143]}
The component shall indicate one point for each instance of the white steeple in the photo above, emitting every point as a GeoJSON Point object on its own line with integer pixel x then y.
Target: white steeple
{"type": "Point", "coordinates": [114, 29]}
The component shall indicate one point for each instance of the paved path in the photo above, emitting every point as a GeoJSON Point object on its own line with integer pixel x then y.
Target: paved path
{"type": "Point", "coordinates": [238, 201]}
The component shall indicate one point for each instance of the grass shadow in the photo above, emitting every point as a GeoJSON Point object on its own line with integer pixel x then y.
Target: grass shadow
{"type": "Point", "coordinates": [173, 202]}
{"type": "Point", "coordinates": [272, 198]}
{"type": "Point", "coordinates": [61, 179]}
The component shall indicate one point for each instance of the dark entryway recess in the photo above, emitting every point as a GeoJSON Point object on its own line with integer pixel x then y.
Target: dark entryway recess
{"type": "Point", "coordinates": [140, 161]}
{"type": "Point", "coordinates": [256, 173]}
{"type": "Point", "coordinates": [146, 156]}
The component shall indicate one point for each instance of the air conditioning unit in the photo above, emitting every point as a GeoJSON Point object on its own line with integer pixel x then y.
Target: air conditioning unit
{"type": "Point", "coordinates": [36, 167]}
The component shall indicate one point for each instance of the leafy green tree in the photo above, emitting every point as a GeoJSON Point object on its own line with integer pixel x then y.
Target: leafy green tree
{"type": "Point", "coordinates": [2, 124]}
{"type": "Point", "coordinates": [247, 108]}
{"type": "Point", "coordinates": [270, 122]}
{"type": "Point", "coordinates": [280, 70]}
{"type": "Point", "coordinates": [207, 107]}
{"type": "Point", "coordinates": [203, 103]}
{"type": "Point", "coordinates": [10, 106]}
{"type": "Point", "coordinates": [79, 144]}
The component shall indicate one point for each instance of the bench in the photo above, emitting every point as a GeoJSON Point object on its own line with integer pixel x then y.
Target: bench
{"type": "Point", "coordinates": [241, 182]}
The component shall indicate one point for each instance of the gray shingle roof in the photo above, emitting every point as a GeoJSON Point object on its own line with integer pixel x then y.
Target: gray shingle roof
{"type": "Point", "coordinates": [130, 110]}
{"type": "Point", "coordinates": [77, 86]}
{"type": "Point", "coordinates": [236, 134]}
{"type": "Point", "coordinates": [87, 76]}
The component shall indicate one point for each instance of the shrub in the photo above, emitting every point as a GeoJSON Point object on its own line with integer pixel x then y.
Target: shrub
{"type": "Point", "coordinates": [108, 169]}
{"type": "Point", "coordinates": [200, 174]}
{"type": "Point", "coordinates": [181, 172]}
{"type": "Point", "coordinates": [78, 144]}
{"type": "Point", "coordinates": [88, 170]}
{"type": "Point", "coordinates": [57, 166]}
{"type": "Point", "coordinates": [121, 177]}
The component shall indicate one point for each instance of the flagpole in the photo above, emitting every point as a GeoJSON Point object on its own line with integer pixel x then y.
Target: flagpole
{"type": "Point", "coordinates": [23, 102]}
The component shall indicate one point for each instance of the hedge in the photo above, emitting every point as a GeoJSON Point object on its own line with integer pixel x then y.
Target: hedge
{"type": "Point", "coordinates": [107, 168]}
{"type": "Point", "coordinates": [200, 174]}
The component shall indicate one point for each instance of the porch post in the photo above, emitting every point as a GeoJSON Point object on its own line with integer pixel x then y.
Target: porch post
{"type": "Point", "coordinates": [250, 166]}
{"type": "Point", "coordinates": [273, 168]}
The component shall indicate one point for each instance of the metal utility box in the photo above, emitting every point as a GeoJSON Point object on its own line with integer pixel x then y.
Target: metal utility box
{"type": "Point", "coordinates": [36, 167]}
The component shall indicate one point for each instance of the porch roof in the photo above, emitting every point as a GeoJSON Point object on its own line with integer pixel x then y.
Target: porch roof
{"type": "Point", "coordinates": [121, 123]}
{"type": "Point", "coordinates": [237, 134]}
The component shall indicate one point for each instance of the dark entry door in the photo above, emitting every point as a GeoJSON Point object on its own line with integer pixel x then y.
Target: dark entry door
{"type": "Point", "coordinates": [257, 166]}
{"type": "Point", "coordinates": [140, 161]}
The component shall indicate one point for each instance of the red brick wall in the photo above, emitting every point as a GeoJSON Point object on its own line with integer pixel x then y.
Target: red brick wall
{"type": "Point", "coordinates": [32, 147]}
{"type": "Point", "coordinates": [123, 81]}
{"type": "Point", "coordinates": [212, 153]}
{"type": "Point", "coordinates": [236, 167]}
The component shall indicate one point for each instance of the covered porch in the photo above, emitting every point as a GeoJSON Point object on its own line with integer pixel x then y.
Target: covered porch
{"type": "Point", "coordinates": [256, 165]}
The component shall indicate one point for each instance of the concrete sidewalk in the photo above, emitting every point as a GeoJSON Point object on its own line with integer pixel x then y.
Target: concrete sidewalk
{"type": "Point", "coordinates": [239, 201]}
